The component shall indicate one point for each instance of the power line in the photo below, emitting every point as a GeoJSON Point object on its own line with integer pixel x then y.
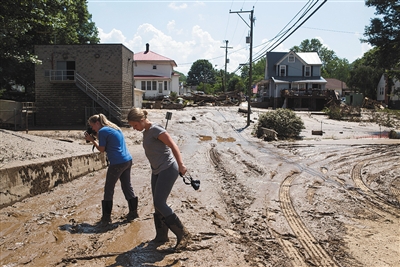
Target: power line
{"type": "Point", "coordinates": [308, 8]}
{"type": "Point", "coordinates": [331, 30]}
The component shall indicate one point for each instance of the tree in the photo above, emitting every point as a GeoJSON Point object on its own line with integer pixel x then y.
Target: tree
{"type": "Point", "coordinates": [236, 83]}
{"type": "Point", "coordinates": [384, 33]}
{"type": "Point", "coordinates": [337, 68]}
{"type": "Point", "coordinates": [365, 74]}
{"type": "Point", "coordinates": [259, 70]}
{"type": "Point", "coordinates": [26, 23]}
{"type": "Point", "coordinates": [201, 71]}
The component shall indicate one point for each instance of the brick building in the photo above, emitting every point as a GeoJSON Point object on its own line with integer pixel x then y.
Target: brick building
{"type": "Point", "coordinates": [76, 81]}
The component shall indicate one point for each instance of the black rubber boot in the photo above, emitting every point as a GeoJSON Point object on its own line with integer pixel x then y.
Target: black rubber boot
{"type": "Point", "coordinates": [133, 204]}
{"type": "Point", "coordinates": [161, 229]}
{"type": "Point", "coordinates": [106, 206]}
{"type": "Point", "coordinates": [176, 226]}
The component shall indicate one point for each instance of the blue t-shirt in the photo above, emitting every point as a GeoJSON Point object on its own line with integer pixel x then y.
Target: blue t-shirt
{"type": "Point", "coordinates": [114, 142]}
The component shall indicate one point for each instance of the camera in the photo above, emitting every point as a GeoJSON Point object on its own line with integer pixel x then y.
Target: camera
{"type": "Point", "coordinates": [92, 133]}
{"type": "Point", "coordinates": [194, 183]}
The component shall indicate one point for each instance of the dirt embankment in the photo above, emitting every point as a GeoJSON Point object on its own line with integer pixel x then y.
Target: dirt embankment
{"type": "Point", "coordinates": [331, 200]}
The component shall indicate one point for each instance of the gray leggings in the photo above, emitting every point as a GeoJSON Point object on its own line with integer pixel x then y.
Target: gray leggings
{"type": "Point", "coordinates": [123, 173]}
{"type": "Point", "coordinates": [161, 186]}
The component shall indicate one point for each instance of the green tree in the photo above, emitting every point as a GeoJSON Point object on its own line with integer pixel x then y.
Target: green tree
{"type": "Point", "coordinates": [337, 68]}
{"type": "Point", "coordinates": [236, 83]}
{"type": "Point", "coordinates": [384, 33]}
{"type": "Point", "coordinates": [182, 77]}
{"type": "Point", "coordinates": [26, 23]}
{"type": "Point", "coordinates": [258, 71]}
{"type": "Point", "coordinates": [365, 74]}
{"type": "Point", "coordinates": [201, 71]}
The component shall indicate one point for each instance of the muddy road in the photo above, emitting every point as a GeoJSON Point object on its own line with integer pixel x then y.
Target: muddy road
{"type": "Point", "coordinates": [316, 202]}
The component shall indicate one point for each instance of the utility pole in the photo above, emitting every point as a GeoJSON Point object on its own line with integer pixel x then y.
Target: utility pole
{"type": "Point", "coordinates": [251, 58]}
{"type": "Point", "coordinates": [226, 61]}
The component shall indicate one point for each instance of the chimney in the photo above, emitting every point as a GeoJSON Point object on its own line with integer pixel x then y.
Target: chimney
{"type": "Point", "coordinates": [147, 48]}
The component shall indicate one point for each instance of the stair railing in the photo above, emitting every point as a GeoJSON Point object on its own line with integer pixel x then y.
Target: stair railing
{"type": "Point", "coordinates": [97, 96]}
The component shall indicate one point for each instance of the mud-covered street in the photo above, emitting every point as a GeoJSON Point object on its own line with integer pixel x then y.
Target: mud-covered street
{"type": "Point", "coordinates": [331, 200]}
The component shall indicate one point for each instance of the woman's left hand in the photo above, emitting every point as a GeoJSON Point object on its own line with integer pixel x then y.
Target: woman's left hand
{"type": "Point", "coordinates": [182, 169]}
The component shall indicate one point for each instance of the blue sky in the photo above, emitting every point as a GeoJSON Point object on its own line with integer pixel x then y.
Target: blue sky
{"type": "Point", "coordinates": [186, 31]}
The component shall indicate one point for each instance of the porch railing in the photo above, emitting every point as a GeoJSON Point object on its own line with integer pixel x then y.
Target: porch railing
{"type": "Point", "coordinates": [61, 75]}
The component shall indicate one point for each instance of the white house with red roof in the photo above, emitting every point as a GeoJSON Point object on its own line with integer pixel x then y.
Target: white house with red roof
{"type": "Point", "coordinates": [154, 74]}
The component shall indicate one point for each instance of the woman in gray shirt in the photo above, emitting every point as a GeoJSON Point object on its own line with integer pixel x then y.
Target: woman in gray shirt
{"type": "Point", "coordinates": [166, 164]}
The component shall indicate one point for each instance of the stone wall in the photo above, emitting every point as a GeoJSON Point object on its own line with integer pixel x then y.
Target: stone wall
{"type": "Point", "coordinates": [19, 182]}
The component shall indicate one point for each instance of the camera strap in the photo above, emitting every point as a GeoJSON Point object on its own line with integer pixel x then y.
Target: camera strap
{"type": "Point", "coordinates": [187, 179]}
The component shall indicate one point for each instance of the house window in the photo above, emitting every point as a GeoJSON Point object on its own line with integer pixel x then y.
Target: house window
{"type": "Point", "coordinates": [307, 71]}
{"type": "Point", "coordinates": [143, 85]}
{"type": "Point", "coordinates": [154, 67]}
{"type": "Point", "coordinates": [160, 85]}
{"type": "Point", "coordinates": [154, 85]}
{"type": "Point", "coordinates": [65, 71]}
{"type": "Point", "coordinates": [148, 87]}
{"type": "Point", "coordinates": [291, 59]}
{"type": "Point", "coordinates": [282, 70]}
{"type": "Point", "coordinates": [165, 85]}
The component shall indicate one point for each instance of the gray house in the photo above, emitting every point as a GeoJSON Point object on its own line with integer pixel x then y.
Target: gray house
{"type": "Point", "coordinates": [293, 80]}
{"type": "Point", "coordinates": [76, 81]}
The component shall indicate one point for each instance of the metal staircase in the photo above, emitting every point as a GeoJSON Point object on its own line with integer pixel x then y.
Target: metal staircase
{"type": "Point", "coordinates": [98, 97]}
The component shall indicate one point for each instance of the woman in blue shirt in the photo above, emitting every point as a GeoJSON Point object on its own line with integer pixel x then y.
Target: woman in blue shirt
{"type": "Point", "coordinates": [166, 163]}
{"type": "Point", "coordinates": [111, 140]}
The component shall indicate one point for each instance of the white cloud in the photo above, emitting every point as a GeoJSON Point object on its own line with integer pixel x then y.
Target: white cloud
{"type": "Point", "coordinates": [174, 6]}
{"type": "Point", "coordinates": [171, 28]}
{"type": "Point", "coordinates": [115, 36]}
{"type": "Point", "coordinates": [322, 42]}
{"type": "Point", "coordinates": [198, 45]}
{"type": "Point", "coordinates": [365, 47]}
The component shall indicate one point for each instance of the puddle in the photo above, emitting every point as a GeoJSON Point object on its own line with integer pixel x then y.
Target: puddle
{"type": "Point", "coordinates": [228, 139]}
{"type": "Point", "coordinates": [205, 138]}
{"type": "Point", "coordinates": [219, 138]}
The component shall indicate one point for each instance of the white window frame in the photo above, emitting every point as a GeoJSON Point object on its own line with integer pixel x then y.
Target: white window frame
{"type": "Point", "coordinates": [282, 70]}
{"type": "Point", "coordinates": [307, 69]}
{"type": "Point", "coordinates": [291, 57]}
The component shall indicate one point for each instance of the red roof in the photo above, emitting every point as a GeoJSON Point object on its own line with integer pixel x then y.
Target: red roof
{"type": "Point", "coordinates": [153, 77]}
{"type": "Point", "coordinates": [151, 56]}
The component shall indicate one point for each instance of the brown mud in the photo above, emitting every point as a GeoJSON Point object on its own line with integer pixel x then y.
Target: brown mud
{"type": "Point", "coordinates": [331, 200]}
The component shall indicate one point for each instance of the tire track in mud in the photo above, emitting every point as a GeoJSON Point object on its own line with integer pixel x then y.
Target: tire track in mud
{"type": "Point", "coordinates": [252, 229]}
{"type": "Point", "coordinates": [372, 197]}
{"type": "Point", "coordinates": [317, 253]}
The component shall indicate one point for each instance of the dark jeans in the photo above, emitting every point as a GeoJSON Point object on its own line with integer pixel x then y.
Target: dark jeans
{"type": "Point", "coordinates": [161, 186]}
{"type": "Point", "coordinates": [123, 173]}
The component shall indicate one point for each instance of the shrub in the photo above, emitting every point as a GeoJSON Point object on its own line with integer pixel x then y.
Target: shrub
{"type": "Point", "coordinates": [284, 121]}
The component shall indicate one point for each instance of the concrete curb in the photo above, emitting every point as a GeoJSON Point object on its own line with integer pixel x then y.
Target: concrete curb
{"type": "Point", "coordinates": [33, 178]}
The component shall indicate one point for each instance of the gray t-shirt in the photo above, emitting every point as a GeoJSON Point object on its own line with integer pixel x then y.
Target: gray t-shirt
{"type": "Point", "coordinates": [159, 155]}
